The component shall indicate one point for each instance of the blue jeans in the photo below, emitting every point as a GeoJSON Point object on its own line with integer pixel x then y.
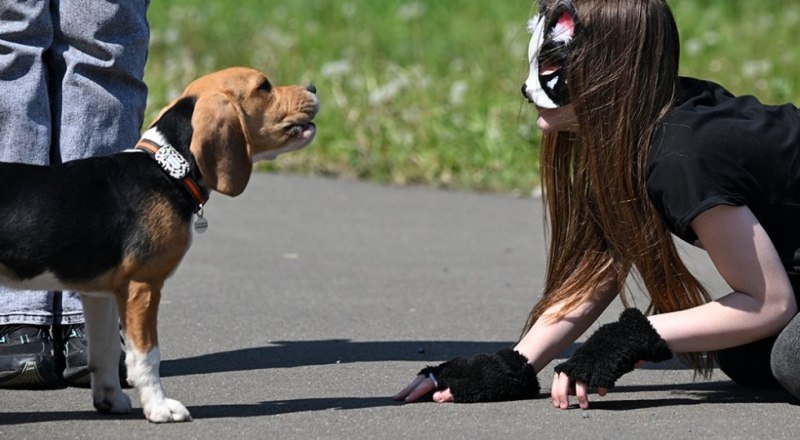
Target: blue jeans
{"type": "Point", "coordinates": [71, 86]}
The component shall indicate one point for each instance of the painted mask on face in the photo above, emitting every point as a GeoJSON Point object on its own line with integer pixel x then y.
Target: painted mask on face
{"type": "Point", "coordinates": [552, 32]}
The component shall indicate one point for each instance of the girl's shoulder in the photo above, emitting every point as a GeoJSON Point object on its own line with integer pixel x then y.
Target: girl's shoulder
{"type": "Point", "coordinates": [708, 120]}
{"type": "Point", "coordinates": [717, 148]}
{"type": "Point", "coordinates": [707, 114]}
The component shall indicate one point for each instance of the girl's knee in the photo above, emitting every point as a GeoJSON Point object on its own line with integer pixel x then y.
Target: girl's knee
{"type": "Point", "coordinates": [783, 360]}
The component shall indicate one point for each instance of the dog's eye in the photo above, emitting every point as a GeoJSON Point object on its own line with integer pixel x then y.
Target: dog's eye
{"type": "Point", "coordinates": [265, 86]}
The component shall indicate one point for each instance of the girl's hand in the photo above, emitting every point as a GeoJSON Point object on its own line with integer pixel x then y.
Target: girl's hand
{"type": "Point", "coordinates": [422, 386]}
{"type": "Point", "coordinates": [505, 375]}
{"type": "Point", "coordinates": [563, 387]}
{"type": "Point", "coordinates": [614, 349]}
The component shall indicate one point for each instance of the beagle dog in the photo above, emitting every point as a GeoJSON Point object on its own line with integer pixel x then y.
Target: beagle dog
{"type": "Point", "coordinates": [115, 227]}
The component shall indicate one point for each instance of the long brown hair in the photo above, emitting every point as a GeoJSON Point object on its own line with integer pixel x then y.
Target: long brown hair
{"type": "Point", "coordinates": [622, 77]}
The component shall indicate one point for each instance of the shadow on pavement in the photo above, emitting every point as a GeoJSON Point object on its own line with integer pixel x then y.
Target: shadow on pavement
{"type": "Point", "coordinates": [278, 407]}
{"type": "Point", "coordinates": [22, 418]}
{"type": "Point", "coordinates": [697, 393]}
{"type": "Point", "coordinates": [288, 354]}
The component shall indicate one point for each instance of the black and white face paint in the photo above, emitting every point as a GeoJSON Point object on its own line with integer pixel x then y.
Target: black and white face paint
{"type": "Point", "coordinates": [551, 34]}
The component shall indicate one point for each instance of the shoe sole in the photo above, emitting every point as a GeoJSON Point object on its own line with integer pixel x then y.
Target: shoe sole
{"type": "Point", "coordinates": [29, 377]}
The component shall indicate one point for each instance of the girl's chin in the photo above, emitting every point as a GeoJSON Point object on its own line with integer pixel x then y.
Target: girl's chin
{"type": "Point", "coordinates": [556, 119]}
{"type": "Point", "coordinates": [548, 127]}
{"type": "Point", "coordinates": [543, 124]}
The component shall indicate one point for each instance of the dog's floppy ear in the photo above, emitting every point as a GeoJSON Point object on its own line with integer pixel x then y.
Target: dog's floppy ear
{"type": "Point", "coordinates": [219, 145]}
{"type": "Point", "coordinates": [164, 110]}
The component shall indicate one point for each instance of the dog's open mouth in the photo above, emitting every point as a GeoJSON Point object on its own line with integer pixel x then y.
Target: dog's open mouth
{"type": "Point", "coordinates": [298, 136]}
{"type": "Point", "coordinates": [301, 130]}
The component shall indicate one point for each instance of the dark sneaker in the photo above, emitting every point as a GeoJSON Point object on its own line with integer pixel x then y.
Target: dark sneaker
{"type": "Point", "coordinates": [26, 357]}
{"type": "Point", "coordinates": [73, 356]}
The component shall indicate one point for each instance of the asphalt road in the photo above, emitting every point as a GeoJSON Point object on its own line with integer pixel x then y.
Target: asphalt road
{"type": "Point", "coordinates": [309, 302]}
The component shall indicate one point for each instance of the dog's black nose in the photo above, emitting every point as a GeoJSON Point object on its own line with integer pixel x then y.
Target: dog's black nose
{"type": "Point", "coordinates": [311, 88]}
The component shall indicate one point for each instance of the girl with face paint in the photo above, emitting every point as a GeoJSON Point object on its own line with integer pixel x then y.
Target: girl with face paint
{"type": "Point", "coordinates": [632, 153]}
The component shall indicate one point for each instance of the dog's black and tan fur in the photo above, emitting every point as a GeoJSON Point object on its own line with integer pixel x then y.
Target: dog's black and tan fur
{"type": "Point", "coordinates": [115, 227]}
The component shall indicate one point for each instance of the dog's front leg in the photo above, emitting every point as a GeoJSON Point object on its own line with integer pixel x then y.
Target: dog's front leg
{"type": "Point", "coordinates": [143, 356]}
{"type": "Point", "coordinates": [104, 352]}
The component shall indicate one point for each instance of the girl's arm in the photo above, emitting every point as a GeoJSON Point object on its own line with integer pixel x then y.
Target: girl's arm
{"type": "Point", "coordinates": [762, 301]}
{"type": "Point", "coordinates": [761, 304]}
{"type": "Point", "coordinates": [543, 342]}
{"type": "Point", "coordinates": [549, 337]}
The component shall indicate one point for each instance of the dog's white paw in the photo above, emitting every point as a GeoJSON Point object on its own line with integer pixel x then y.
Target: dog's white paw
{"type": "Point", "coordinates": [111, 400]}
{"type": "Point", "coordinates": [169, 410]}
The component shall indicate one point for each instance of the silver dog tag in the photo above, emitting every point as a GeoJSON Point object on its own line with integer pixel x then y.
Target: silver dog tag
{"type": "Point", "coordinates": [200, 225]}
{"type": "Point", "coordinates": [200, 222]}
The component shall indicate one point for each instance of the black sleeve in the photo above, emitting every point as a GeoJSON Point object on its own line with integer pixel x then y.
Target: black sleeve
{"type": "Point", "coordinates": [689, 172]}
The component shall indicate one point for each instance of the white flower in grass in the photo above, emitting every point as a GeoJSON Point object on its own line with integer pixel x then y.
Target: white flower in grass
{"type": "Point", "coordinates": [336, 68]}
{"type": "Point", "coordinates": [458, 91]}
{"type": "Point", "coordinates": [410, 11]}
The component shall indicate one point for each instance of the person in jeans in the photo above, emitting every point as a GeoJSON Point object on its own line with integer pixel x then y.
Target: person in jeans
{"type": "Point", "coordinates": [71, 86]}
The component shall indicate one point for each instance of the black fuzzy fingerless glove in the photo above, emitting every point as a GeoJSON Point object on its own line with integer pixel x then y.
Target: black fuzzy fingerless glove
{"type": "Point", "coordinates": [614, 349]}
{"type": "Point", "coordinates": [505, 375]}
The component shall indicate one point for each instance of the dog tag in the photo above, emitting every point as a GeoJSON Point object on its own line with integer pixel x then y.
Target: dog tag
{"type": "Point", "coordinates": [200, 225]}
{"type": "Point", "coordinates": [200, 222]}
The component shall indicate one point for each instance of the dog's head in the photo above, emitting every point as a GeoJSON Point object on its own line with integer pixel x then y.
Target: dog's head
{"type": "Point", "coordinates": [241, 117]}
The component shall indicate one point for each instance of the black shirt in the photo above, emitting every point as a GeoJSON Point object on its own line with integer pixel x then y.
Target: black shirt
{"type": "Point", "coordinates": [714, 148]}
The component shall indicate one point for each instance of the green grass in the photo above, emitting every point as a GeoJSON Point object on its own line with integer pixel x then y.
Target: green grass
{"type": "Point", "coordinates": [427, 92]}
